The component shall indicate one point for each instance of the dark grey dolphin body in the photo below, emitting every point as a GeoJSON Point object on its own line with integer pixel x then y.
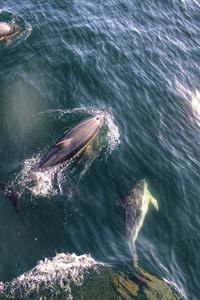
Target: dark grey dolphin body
{"type": "Point", "coordinates": [8, 31]}
{"type": "Point", "coordinates": [73, 142]}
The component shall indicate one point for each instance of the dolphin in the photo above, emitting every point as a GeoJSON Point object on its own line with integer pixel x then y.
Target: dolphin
{"type": "Point", "coordinates": [136, 207]}
{"type": "Point", "coordinates": [8, 31]}
{"type": "Point", "coordinates": [78, 139]}
{"type": "Point", "coordinates": [73, 142]}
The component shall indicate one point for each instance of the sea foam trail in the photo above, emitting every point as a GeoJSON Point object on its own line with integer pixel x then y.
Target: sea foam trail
{"type": "Point", "coordinates": [51, 278]}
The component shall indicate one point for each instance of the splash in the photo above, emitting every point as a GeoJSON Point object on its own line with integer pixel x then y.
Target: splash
{"type": "Point", "coordinates": [193, 97]}
{"type": "Point", "coordinates": [36, 182]}
{"type": "Point", "coordinates": [113, 133]}
{"type": "Point", "coordinates": [51, 278]}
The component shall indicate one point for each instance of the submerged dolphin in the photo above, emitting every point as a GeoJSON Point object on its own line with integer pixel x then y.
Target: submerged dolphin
{"type": "Point", "coordinates": [8, 31]}
{"type": "Point", "coordinates": [73, 142]}
{"type": "Point", "coordinates": [136, 207]}
{"type": "Point", "coordinates": [149, 286]}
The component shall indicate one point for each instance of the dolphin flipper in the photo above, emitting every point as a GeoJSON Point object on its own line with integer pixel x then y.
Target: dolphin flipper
{"type": "Point", "coordinates": [154, 202]}
{"type": "Point", "coordinates": [151, 199]}
{"type": "Point", "coordinates": [63, 144]}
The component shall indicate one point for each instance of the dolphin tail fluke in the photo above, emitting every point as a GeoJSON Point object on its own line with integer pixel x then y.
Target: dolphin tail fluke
{"type": "Point", "coordinates": [11, 194]}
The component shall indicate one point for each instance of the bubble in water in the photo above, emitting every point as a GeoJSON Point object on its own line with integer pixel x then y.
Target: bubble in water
{"type": "Point", "coordinates": [113, 133]}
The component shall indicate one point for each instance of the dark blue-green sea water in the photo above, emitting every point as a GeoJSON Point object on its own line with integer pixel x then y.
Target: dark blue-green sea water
{"type": "Point", "coordinates": [139, 61]}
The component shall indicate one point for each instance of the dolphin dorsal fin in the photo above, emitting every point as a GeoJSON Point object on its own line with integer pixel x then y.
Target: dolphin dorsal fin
{"type": "Point", "coordinates": [63, 144]}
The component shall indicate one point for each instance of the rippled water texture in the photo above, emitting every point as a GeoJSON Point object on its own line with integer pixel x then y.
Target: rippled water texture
{"type": "Point", "coordinates": [139, 62]}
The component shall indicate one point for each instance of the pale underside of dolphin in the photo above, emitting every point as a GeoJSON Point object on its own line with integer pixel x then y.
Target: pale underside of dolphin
{"type": "Point", "coordinates": [73, 142]}
{"type": "Point", "coordinates": [136, 207]}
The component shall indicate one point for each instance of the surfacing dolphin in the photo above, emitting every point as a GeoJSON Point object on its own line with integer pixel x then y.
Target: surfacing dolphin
{"type": "Point", "coordinates": [73, 142]}
{"type": "Point", "coordinates": [8, 31]}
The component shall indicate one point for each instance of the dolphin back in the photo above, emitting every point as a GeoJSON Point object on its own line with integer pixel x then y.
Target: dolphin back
{"type": "Point", "coordinates": [72, 143]}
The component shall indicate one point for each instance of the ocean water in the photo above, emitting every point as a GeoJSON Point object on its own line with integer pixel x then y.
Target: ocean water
{"type": "Point", "coordinates": [139, 62]}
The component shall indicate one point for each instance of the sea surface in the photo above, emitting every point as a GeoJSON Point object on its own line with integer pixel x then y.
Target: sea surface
{"type": "Point", "coordinates": [139, 61]}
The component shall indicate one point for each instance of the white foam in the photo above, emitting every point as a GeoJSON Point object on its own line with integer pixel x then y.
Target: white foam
{"type": "Point", "coordinates": [36, 182]}
{"type": "Point", "coordinates": [55, 275]}
{"type": "Point", "coordinates": [113, 133]}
